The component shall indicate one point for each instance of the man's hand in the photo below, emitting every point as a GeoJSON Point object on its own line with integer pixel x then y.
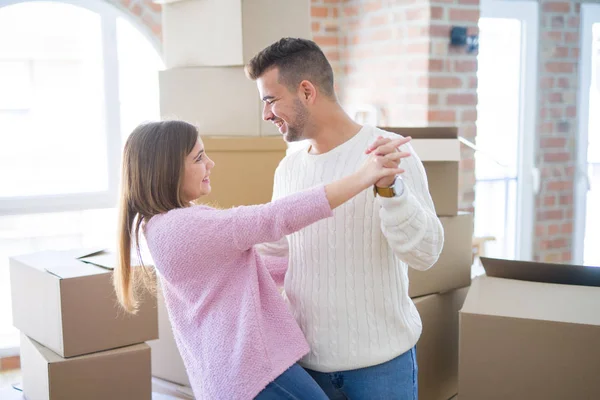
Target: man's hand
{"type": "Point", "coordinates": [383, 146]}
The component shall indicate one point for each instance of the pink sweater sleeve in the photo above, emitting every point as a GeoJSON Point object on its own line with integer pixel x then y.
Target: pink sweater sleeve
{"type": "Point", "coordinates": [272, 221]}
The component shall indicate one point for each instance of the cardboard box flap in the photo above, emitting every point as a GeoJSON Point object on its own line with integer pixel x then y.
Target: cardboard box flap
{"type": "Point", "coordinates": [67, 264]}
{"type": "Point", "coordinates": [103, 259]}
{"type": "Point", "coordinates": [533, 300]}
{"type": "Point", "coordinates": [428, 132]}
{"type": "Point", "coordinates": [542, 272]}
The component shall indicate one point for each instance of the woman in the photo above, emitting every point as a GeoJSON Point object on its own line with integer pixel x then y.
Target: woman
{"type": "Point", "coordinates": [232, 327]}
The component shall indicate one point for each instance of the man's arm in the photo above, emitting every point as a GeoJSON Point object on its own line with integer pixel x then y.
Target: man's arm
{"type": "Point", "coordinates": [408, 220]}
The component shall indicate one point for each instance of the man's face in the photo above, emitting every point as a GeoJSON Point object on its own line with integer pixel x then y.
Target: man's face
{"type": "Point", "coordinates": [282, 107]}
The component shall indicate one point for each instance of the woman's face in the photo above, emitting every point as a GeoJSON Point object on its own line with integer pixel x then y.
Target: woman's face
{"type": "Point", "coordinates": [196, 182]}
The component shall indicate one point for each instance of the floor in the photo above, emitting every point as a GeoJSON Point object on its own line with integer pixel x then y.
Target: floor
{"type": "Point", "coordinates": [8, 377]}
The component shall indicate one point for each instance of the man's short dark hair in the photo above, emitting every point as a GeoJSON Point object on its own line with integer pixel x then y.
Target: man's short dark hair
{"type": "Point", "coordinates": [297, 60]}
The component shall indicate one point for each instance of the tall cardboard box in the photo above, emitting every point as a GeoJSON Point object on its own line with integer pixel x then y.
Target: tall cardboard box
{"type": "Point", "coordinates": [453, 268]}
{"type": "Point", "coordinates": [120, 374]}
{"type": "Point", "coordinates": [228, 32]}
{"type": "Point", "coordinates": [65, 300]}
{"type": "Point", "coordinates": [439, 150]}
{"type": "Point", "coordinates": [437, 349]}
{"type": "Point", "coordinates": [531, 331]}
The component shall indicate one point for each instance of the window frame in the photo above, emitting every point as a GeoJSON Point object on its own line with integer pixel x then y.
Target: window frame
{"type": "Point", "coordinates": [101, 199]}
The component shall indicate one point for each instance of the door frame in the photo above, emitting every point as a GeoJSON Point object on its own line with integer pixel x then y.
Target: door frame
{"type": "Point", "coordinates": [527, 12]}
{"type": "Point", "coordinates": [590, 14]}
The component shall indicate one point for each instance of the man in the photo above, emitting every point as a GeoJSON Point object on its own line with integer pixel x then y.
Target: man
{"type": "Point", "coordinates": [347, 282]}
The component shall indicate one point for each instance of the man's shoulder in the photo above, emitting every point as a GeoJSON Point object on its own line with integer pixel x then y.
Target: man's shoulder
{"type": "Point", "coordinates": [387, 134]}
{"type": "Point", "coordinates": [292, 155]}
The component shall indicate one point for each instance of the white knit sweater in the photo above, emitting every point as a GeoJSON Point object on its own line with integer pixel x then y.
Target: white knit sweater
{"type": "Point", "coordinates": [347, 282]}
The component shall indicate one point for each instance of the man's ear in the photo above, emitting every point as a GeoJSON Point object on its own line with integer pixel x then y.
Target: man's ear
{"type": "Point", "coordinates": [307, 91]}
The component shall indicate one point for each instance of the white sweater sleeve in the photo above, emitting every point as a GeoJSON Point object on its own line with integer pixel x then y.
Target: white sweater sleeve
{"type": "Point", "coordinates": [279, 248]}
{"type": "Point", "coordinates": [409, 222]}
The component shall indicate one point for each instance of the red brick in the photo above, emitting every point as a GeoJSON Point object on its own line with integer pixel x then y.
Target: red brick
{"type": "Point", "coordinates": [332, 55]}
{"type": "Point", "coordinates": [555, 97]}
{"type": "Point", "coordinates": [434, 99]}
{"type": "Point", "coordinates": [566, 228]}
{"type": "Point", "coordinates": [566, 256]}
{"type": "Point", "coordinates": [552, 142]}
{"type": "Point", "coordinates": [153, 6]}
{"type": "Point", "coordinates": [315, 27]}
{"type": "Point", "coordinates": [547, 83]}
{"type": "Point", "coordinates": [540, 230]}
{"type": "Point", "coordinates": [575, 53]}
{"type": "Point", "coordinates": [557, 157]}
{"type": "Point", "coordinates": [439, 31]}
{"type": "Point", "coordinates": [137, 10]}
{"type": "Point", "coordinates": [417, 14]}
{"type": "Point", "coordinates": [416, 48]}
{"type": "Point", "coordinates": [566, 199]}
{"type": "Point", "coordinates": [326, 40]}
{"type": "Point", "coordinates": [571, 111]}
{"type": "Point", "coordinates": [436, 65]}
{"type": "Point", "coordinates": [464, 15]}
{"type": "Point", "coordinates": [553, 36]}
{"type": "Point", "coordinates": [469, 115]}
{"type": "Point", "coordinates": [559, 67]}
{"type": "Point", "coordinates": [334, 12]}
{"type": "Point", "coordinates": [574, 22]}
{"type": "Point", "coordinates": [559, 186]}
{"type": "Point", "coordinates": [563, 83]}
{"type": "Point", "coordinates": [553, 229]}
{"type": "Point", "coordinates": [465, 99]}
{"type": "Point", "coordinates": [472, 82]}
{"type": "Point", "coordinates": [441, 116]}
{"type": "Point", "coordinates": [465, 66]}
{"type": "Point", "coordinates": [444, 82]}
{"type": "Point", "coordinates": [558, 7]}
{"type": "Point", "coordinates": [571, 37]}
{"type": "Point", "coordinates": [469, 2]}
{"type": "Point", "coordinates": [561, 52]}
{"type": "Point", "coordinates": [319, 12]}
{"type": "Point", "coordinates": [373, 6]}
{"type": "Point", "coordinates": [437, 13]}
{"type": "Point", "coordinates": [547, 127]}
{"type": "Point", "coordinates": [379, 20]}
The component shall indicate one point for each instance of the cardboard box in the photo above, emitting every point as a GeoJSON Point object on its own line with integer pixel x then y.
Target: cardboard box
{"type": "Point", "coordinates": [531, 331]}
{"type": "Point", "coordinates": [228, 32]}
{"type": "Point", "coordinates": [439, 150]}
{"type": "Point", "coordinates": [68, 304]}
{"type": "Point", "coordinates": [219, 101]}
{"type": "Point", "coordinates": [437, 349]}
{"type": "Point", "coordinates": [453, 268]}
{"type": "Point", "coordinates": [166, 359]}
{"type": "Point", "coordinates": [244, 169]}
{"type": "Point", "coordinates": [120, 374]}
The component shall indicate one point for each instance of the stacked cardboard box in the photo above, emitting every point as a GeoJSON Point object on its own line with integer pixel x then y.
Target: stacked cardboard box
{"type": "Point", "coordinates": [531, 330]}
{"type": "Point", "coordinates": [76, 343]}
{"type": "Point", "coordinates": [439, 292]}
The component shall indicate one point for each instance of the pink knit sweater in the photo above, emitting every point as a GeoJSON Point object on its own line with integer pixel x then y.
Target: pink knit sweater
{"type": "Point", "coordinates": [232, 327]}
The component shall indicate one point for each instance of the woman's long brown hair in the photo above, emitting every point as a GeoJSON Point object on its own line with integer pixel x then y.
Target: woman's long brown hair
{"type": "Point", "coordinates": [152, 176]}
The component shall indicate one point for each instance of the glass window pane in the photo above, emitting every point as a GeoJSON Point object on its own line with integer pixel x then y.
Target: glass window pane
{"type": "Point", "coordinates": [498, 129]}
{"type": "Point", "coordinates": [54, 140]}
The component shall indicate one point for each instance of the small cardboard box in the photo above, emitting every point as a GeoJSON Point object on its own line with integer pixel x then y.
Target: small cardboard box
{"type": "Point", "coordinates": [437, 349]}
{"type": "Point", "coordinates": [120, 374]}
{"type": "Point", "coordinates": [167, 363]}
{"type": "Point", "coordinates": [228, 32]}
{"type": "Point", "coordinates": [244, 169]}
{"type": "Point", "coordinates": [453, 268]}
{"type": "Point", "coordinates": [439, 150]}
{"type": "Point", "coordinates": [531, 330]}
{"type": "Point", "coordinates": [66, 301]}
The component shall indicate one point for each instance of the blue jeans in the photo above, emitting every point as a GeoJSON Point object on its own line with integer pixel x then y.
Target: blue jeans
{"type": "Point", "coordinates": [392, 380]}
{"type": "Point", "coordinates": [293, 384]}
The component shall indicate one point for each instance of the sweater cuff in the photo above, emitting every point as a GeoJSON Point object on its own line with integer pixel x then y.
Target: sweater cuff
{"type": "Point", "coordinates": [399, 206]}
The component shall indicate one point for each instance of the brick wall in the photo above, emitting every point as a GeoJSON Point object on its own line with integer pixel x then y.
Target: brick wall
{"type": "Point", "coordinates": [395, 55]}
{"type": "Point", "coordinates": [557, 128]}
{"type": "Point", "coordinates": [145, 12]}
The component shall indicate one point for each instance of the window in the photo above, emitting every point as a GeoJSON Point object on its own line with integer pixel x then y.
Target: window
{"type": "Point", "coordinates": [75, 79]}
